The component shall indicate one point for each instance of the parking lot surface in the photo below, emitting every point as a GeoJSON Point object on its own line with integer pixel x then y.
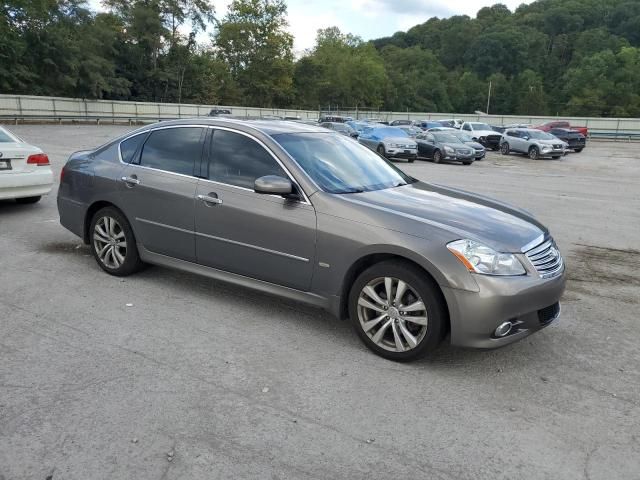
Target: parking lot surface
{"type": "Point", "coordinates": [170, 375]}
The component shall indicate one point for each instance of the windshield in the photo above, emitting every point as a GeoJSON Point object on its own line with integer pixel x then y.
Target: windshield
{"type": "Point", "coordinates": [539, 135]}
{"type": "Point", "coordinates": [390, 132]}
{"type": "Point", "coordinates": [445, 138]}
{"type": "Point", "coordinates": [340, 165]}
{"type": "Point", "coordinates": [480, 126]}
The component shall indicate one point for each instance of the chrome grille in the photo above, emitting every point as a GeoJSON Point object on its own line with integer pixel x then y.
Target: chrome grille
{"type": "Point", "coordinates": [546, 259]}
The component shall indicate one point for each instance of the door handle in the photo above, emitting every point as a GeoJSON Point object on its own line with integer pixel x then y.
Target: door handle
{"type": "Point", "coordinates": [130, 181]}
{"type": "Point", "coordinates": [209, 199]}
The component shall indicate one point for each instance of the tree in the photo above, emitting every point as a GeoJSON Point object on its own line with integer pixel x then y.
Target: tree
{"type": "Point", "coordinates": [252, 39]}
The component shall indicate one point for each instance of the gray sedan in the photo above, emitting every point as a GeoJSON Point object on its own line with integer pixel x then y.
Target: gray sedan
{"type": "Point", "coordinates": [304, 213]}
{"type": "Point", "coordinates": [442, 146]}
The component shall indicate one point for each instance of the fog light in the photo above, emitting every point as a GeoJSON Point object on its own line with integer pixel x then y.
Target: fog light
{"type": "Point", "coordinates": [503, 329]}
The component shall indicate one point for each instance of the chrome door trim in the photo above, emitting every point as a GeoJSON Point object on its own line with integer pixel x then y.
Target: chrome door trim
{"type": "Point", "coordinates": [254, 247]}
{"type": "Point", "coordinates": [158, 224]}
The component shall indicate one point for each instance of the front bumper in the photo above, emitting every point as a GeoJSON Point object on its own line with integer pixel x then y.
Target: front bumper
{"type": "Point", "coordinates": [458, 157]}
{"type": "Point", "coordinates": [27, 184]}
{"type": "Point", "coordinates": [479, 154]}
{"type": "Point", "coordinates": [553, 153]}
{"type": "Point", "coordinates": [474, 316]}
{"type": "Point", "coordinates": [409, 153]}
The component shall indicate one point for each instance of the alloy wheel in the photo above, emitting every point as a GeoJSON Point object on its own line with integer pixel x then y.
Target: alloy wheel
{"type": "Point", "coordinates": [533, 153]}
{"type": "Point", "coordinates": [392, 314]}
{"type": "Point", "coordinates": [109, 242]}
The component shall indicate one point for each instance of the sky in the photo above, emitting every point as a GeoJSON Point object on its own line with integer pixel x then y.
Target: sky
{"type": "Point", "coordinates": [368, 19]}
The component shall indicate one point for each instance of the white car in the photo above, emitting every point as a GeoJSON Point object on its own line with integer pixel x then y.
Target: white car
{"type": "Point", "coordinates": [483, 133]}
{"type": "Point", "coordinates": [25, 170]}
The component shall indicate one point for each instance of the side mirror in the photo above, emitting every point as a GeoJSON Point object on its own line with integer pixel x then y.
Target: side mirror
{"type": "Point", "coordinates": [526, 137]}
{"type": "Point", "coordinates": [273, 185]}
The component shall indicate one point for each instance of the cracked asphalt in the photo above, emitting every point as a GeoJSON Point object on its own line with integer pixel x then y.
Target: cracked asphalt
{"type": "Point", "coordinates": [242, 385]}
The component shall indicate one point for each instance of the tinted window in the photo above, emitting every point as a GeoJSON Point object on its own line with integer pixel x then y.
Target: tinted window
{"type": "Point", "coordinates": [238, 160]}
{"type": "Point", "coordinates": [513, 134]}
{"type": "Point", "coordinates": [130, 145]}
{"type": "Point", "coordinates": [173, 149]}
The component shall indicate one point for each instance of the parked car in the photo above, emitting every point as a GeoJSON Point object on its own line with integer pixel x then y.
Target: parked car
{"type": "Point", "coordinates": [398, 123]}
{"type": "Point", "coordinates": [532, 142]}
{"type": "Point", "coordinates": [25, 170]}
{"type": "Point", "coordinates": [545, 127]}
{"type": "Point", "coordinates": [451, 122]}
{"type": "Point", "coordinates": [575, 140]}
{"type": "Point", "coordinates": [334, 119]}
{"type": "Point", "coordinates": [442, 146]}
{"type": "Point", "coordinates": [427, 124]}
{"type": "Point", "coordinates": [358, 125]}
{"type": "Point", "coordinates": [342, 128]}
{"type": "Point", "coordinates": [518, 125]}
{"type": "Point", "coordinates": [296, 211]}
{"type": "Point", "coordinates": [215, 112]}
{"type": "Point", "coordinates": [498, 128]}
{"type": "Point", "coordinates": [411, 130]}
{"type": "Point", "coordinates": [389, 142]}
{"type": "Point", "coordinates": [483, 133]}
{"type": "Point", "coordinates": [478, 150]}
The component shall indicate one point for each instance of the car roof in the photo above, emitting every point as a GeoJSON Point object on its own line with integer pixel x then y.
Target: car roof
{"type": "Point", "coordinates": [268, 127]}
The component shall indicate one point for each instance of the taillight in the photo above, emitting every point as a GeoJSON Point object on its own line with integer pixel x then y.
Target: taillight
{"type": "Point", "coordinates": [38, 159]}
{"type": "Point", "coordinates": [61, 174]}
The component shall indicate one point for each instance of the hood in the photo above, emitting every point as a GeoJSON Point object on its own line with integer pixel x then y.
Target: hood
{"type": "Point", "coordinates": [476, 145]}
{"type": "Point", "coordinates": [402, 140]}
{"type": "Point", "coordinates": [498, 225]}
{"type": "Point", "coordinates": [553, 141]}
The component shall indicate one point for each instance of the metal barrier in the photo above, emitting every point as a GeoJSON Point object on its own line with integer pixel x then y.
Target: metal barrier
{"type": "Point", "coordinates": [23, 108]}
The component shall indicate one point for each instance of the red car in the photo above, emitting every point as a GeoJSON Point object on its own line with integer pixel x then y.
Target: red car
{"type": "Point", "coordinates": [545, 127]}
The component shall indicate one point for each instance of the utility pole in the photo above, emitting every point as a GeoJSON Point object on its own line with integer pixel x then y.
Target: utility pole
{"type": "Point", "coordinates": [489, 98]}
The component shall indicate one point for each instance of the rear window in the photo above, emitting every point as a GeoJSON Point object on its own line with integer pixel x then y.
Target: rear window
{"type": "Point", "coordinates": [5, 137]}
{"type": "Point", "coordinates": [173, 149]}
{"type": "Point", "coordinates": [129, 147]}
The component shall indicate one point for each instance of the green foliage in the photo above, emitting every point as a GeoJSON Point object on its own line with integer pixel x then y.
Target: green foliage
{"type": "Point", "coordinates": [578, 57]}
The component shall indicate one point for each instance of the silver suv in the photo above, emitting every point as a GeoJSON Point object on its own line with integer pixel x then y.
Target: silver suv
{"type": "Point", "coordinates": [534, 143]}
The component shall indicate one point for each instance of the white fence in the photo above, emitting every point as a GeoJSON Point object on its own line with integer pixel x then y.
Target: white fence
{"type": "Point", "coordinates": [16, 108]}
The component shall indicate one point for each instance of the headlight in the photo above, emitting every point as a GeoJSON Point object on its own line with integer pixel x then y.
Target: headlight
{"type": "Point", "coordinates": [547, 148]}
{"type": "Point", "coordinates": [449, 150]}
{"type": "Point", "coordinates": [479, 258]}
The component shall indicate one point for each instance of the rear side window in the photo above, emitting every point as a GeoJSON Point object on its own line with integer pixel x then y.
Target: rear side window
{"type": "Point", "coordinates": [238, 160]}
{"type": "Point", "coordinates": [129, 147]}
{"type": "Point", "coordinates": [173, 149]}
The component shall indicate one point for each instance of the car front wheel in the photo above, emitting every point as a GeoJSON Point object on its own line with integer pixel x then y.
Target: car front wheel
{"type": "Point", "coordinates": [397, 311]}
{"type": "Point", "coordinates": [113, 244]}
{"type": "Point", "coordinates": [534, 153]}
{"type": "Point", "coordinates": [437, 156]}
{"type": "Point", "coordinates": [381, 151]}
{"type": "Point", "coordinates": [504, 149]}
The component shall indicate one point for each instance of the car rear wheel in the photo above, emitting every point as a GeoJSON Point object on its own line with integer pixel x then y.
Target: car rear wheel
{"type": "Point", "coordinates": [28, 200]}
{"type": "Point", "coordinates": [578, 150]}
{"type": "Point", "coordinates": [381, 151]}
{"type": "Point", "coordinates": [397, 311]}
{"type": "Point", "coordinates": [556, 157]}
{"type": "Point", "coordinates": [504, 149]}
{"type": "Point", "coordinates": [113, 244]}
{"type": "Point", "coordinates": [534, 153]}
{"type": "Point", "coordinates": [437, 156]}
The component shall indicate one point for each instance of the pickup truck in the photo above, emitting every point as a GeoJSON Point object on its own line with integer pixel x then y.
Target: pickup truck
{"type": "Point", "coordinates": [546, 127]}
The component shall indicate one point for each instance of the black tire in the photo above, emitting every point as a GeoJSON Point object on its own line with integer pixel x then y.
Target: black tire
{"type": "Point", "coordinates": [578, 150]}
{"type": "Point", "coordinates": [495, 148]}
{"type": "Point", "coordinates": [556, 157]}
{"type": "Point", "coordinates": [28, 200]}
{"type": "Point", "coordinates": [505, 149]}
{"type": "Point", "coordinates": [429, 293]}
{"type": "Point", "coordinates": [437, 156]}
{"type": "Point", "coordinates": [381, 151]}
{"type": "Point", "coordinates": [534, 153]}
{"type": "Point", "coordinates": [467, 163]}
{"type": "Point", "coordinates": [411, 160]}
{"type": "Point", "coordinates": [132, 262]}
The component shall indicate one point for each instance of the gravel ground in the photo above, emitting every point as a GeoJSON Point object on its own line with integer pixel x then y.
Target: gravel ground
{"type": "Point", "coordinates": [169, 375]}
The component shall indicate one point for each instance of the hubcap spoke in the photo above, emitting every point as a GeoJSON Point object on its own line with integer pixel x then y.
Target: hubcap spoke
{"type": "Point", "coordinates": [380, 333]}
{"type": "Point", "coordinates": [388, 287]}
{"type": "Point", "coordinates": [417, 320]}
{"type": "Point", "coordinates": [371, 293]}
{"type": "Point", "coordinates": [367, 304]}
{"type": "Point", "coordinates": [118, 256]}
{"type": "Point", "coordinates": [411, 340]}
{"type": "Point", "coordinates": [400, 289]}
{"type": "Point", "coordinates": [396, 337]}
{"type": "Point", "coordinates": [414, 307]}
{"type": "Point", "coordinates": [372, 323]}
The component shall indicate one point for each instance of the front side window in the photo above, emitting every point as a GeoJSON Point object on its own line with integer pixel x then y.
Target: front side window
{"type": "Point", "coordinates": [238, 160]}
{"type": "Point", "coordinates": [337, 164]}
{"type": "Point", "coordinates": [173, 149]}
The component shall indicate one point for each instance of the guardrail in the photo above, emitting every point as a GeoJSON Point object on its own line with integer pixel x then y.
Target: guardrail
{"type": "Point", "coordinates": [30, 108]}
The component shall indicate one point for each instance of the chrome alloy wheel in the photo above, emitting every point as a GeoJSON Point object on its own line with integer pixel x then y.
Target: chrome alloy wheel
{"type": "Point", "coordinates": [392, 314]}
{"type": "Point", "coordinates": [109, 242]}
